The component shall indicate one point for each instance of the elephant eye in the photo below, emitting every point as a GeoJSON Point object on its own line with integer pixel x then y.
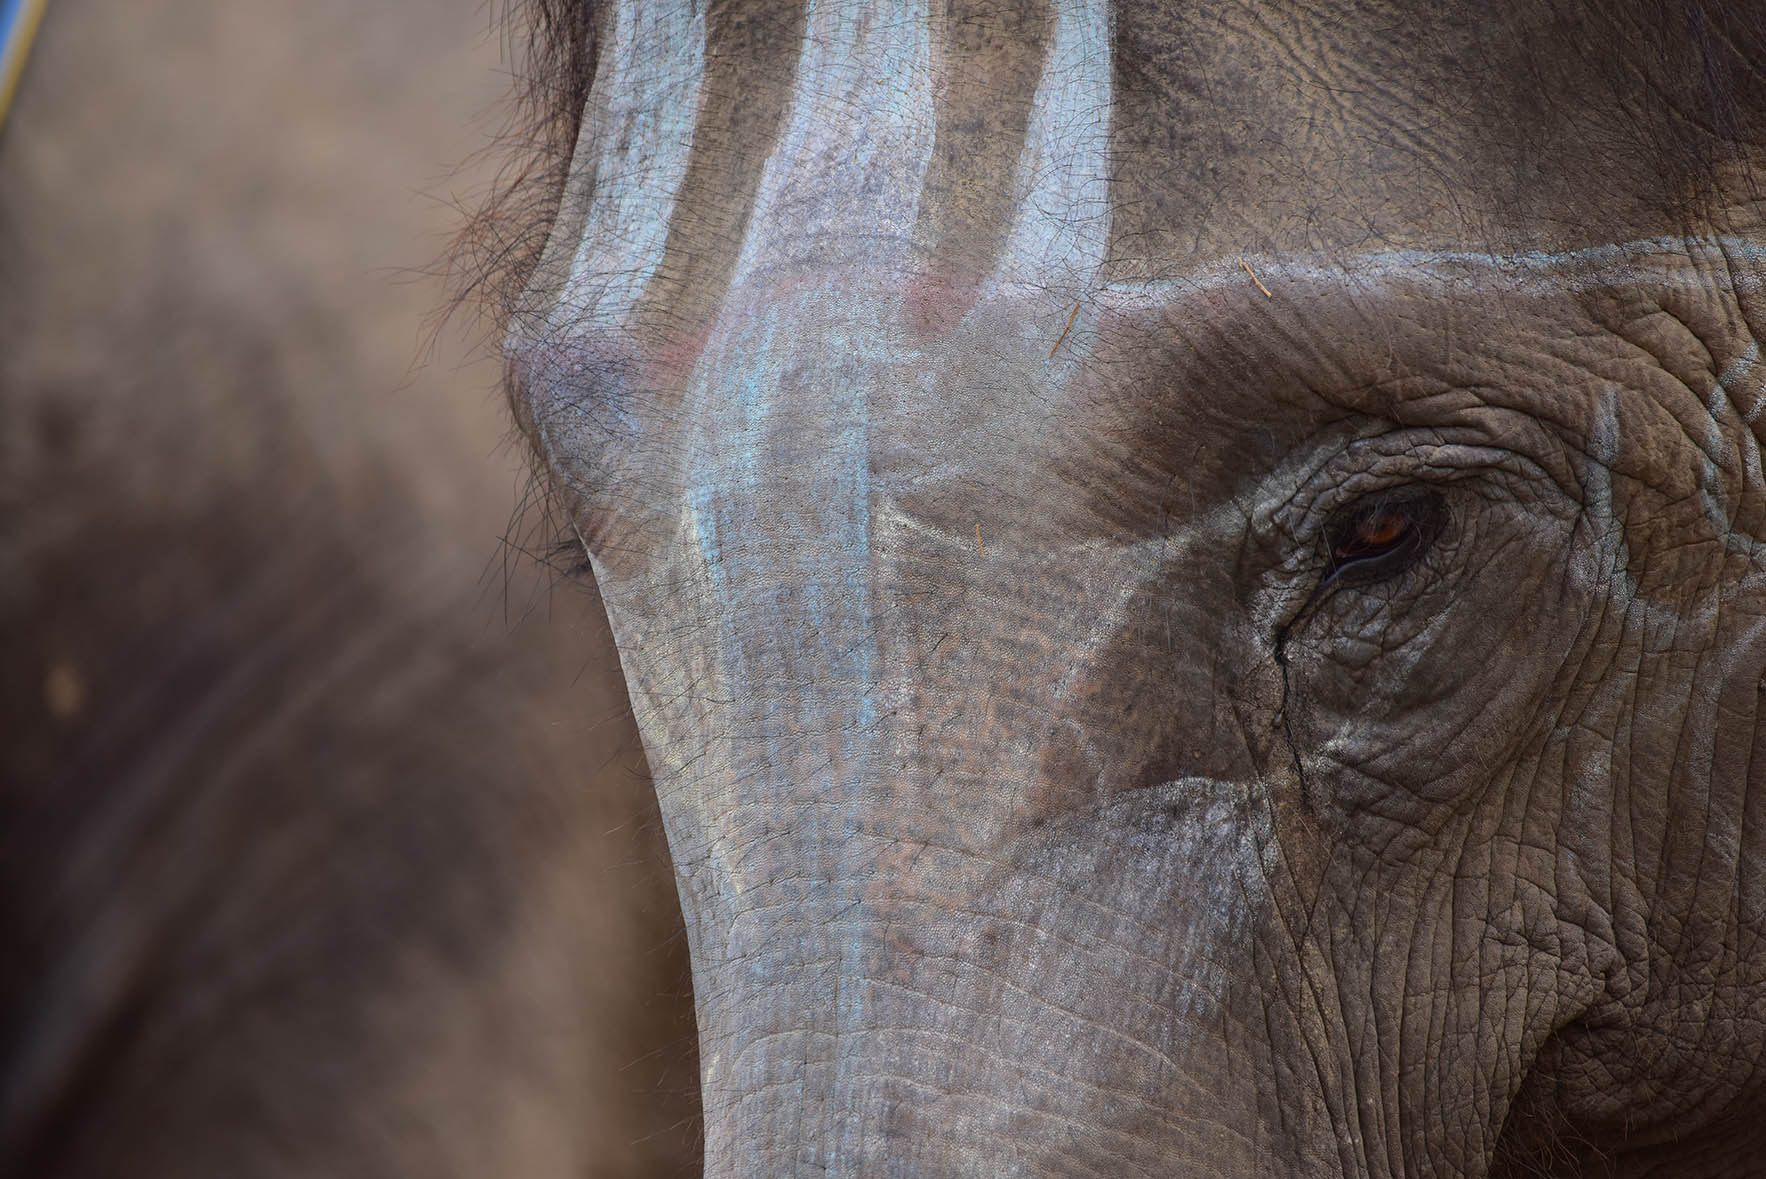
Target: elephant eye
{"type": "Point", "coordinates": [1380, 536]}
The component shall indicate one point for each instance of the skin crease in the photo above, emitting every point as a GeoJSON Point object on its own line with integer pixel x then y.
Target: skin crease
{"type": "Point", "coordinates": [955, 431]}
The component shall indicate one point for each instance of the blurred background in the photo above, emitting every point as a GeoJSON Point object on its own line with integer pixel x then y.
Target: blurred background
{"type": "Point", "coordinates": [325, 843]}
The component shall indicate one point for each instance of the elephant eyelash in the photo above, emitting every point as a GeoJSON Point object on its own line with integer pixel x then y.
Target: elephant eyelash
{"type": "Point", "coordinates": [1379, 536]}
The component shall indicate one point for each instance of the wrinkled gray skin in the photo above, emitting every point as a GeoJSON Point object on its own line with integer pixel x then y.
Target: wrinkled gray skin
{"type": "Point", "coordinates": [961, 410]}
{"type": "Point", "coordinates": [318, 859]}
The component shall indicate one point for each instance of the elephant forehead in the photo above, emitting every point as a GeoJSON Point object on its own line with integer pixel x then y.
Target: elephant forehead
{"type": "Point", "coordinates": [1054, 396]}
{"type": "Point", "coordinates": [1075, 142]}
{"type": "Point", "coordinates": [971, 238]}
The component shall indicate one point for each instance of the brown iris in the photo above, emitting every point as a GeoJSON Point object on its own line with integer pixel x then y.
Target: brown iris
{"type": "Point", "coordinates": [1372, 533]}
{"type": "Point", "coordinates": [1381, 535]}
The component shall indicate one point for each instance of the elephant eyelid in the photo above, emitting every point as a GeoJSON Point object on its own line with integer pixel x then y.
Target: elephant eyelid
{"type": "Point", "coordinates": [1379, 536]}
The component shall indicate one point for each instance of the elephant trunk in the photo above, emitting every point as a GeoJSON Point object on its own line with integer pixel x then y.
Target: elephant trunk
{"type": "Point", "coordinates": [878, 997]}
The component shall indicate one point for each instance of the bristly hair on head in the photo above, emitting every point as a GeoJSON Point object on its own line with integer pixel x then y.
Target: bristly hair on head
{"type": "Point", "coordinates": [553, 46]}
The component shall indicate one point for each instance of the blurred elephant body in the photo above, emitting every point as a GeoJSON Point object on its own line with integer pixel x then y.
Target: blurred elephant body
{"type": "Point", "coordinates": [1191, 576]}
{"type": "Point", "coordinates": [311, 862]}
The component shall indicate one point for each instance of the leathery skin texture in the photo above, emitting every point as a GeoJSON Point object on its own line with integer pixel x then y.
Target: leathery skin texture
{"type": "Point", "coordinates": [1191, 578]}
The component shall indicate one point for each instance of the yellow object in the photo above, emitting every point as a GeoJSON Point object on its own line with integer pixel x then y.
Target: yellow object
{"type": "Point", "coordinates": [18, 24]}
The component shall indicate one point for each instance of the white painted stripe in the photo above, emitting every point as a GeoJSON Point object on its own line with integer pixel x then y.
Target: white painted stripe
{"type": "Point", "coordinates": [640, 133]}
{"type": "Point", "coordinates": [850, 165]}
{"type": "Point", "coordinates": [1660, 261]}
{"type": "Point", "coordinates": [1062, 196]}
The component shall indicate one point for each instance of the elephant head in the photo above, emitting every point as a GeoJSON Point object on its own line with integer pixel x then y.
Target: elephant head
{"type": "Point", "coordinates": [1192, 576]}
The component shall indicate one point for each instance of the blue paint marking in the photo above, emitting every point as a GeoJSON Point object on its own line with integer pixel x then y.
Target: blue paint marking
{"type": "Point", "coordinates": [11, 21]}
{"type": "Point", "coordinates": [18, 25]}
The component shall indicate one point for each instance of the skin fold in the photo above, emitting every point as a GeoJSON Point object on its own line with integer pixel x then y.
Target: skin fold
{"type": "Point", "coordinates": [964, 410]}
